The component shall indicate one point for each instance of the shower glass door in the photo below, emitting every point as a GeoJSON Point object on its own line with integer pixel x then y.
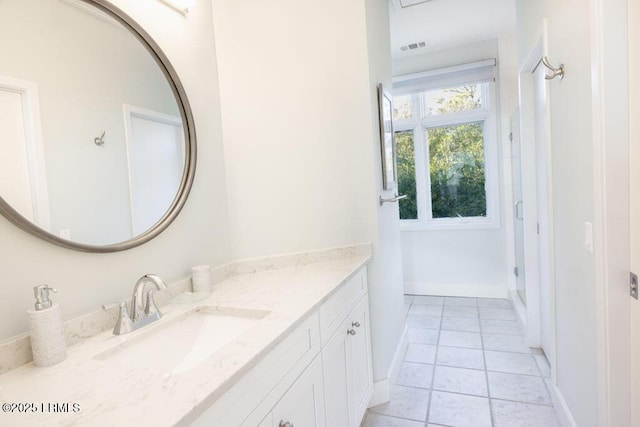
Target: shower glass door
{"type": "Point", "coordinates": [518, 224]}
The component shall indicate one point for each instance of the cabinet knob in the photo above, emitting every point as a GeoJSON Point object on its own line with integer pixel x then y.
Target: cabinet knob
{"type": "Point", "coordinates": [351, 332]}
{"type": "Point", "coordinates": [356, 324]}
{"type": "Point", "coordinates": [284, 423]}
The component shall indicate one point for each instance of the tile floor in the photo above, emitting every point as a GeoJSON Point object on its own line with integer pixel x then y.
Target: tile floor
{"type": "Point", "coordinates": [467, 365]}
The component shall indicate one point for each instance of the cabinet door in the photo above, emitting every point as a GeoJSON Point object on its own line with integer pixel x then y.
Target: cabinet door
{"type": "Point", "coordinates": [336, 379]}
{"type": "Point", "coordinates": [268, 421]}
{"type": "Point", "coordinates": [346, 362]}
{"type": "Point", "coordinates": [360, 360]}
{"type": "Point", "coordinates": [303, 404]}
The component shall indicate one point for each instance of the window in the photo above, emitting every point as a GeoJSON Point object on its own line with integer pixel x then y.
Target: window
{"type": "Point", "coordinates": [446, 154]}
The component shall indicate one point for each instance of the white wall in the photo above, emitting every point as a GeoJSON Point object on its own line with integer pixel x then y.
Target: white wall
{"type": "Point", "coordinates": [573, 195]}
{"type": "Point", "coordinates": [200, 234]}
{"type": "Point", "coordinates": [385, 280]}
{"type": "Point", "coordinates": [296, 124]}
{"type": "Point", "coordinates": [85, 73]}
{"type": "Point", "coordinates": [300, 138]}
{"type": "Point", "coordinates": [464, 262]}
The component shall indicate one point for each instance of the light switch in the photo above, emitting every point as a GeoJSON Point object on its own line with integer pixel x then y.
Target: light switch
{"type": "Point", "coordinates": [588, 237]}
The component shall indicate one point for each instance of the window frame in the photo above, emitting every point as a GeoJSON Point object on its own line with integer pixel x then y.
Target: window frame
{"type": "Point", "coordinates": [419, 126]}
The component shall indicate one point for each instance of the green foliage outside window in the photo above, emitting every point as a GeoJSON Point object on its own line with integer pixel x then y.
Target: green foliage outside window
{"type": "Point", "coordinates": [456, 163]}
{"type": "Point", "coordinates": [456, 157]}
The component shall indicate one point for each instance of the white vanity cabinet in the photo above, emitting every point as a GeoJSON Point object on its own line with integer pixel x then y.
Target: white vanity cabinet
{"type": "Point", "coordinates": [346, 362]}
{"type": "Point", "coordinates": [250, 401]}
{"type": "Point", "coordinates": [303, 405]}
{"type": "Point", "coordinates": [319, 376]}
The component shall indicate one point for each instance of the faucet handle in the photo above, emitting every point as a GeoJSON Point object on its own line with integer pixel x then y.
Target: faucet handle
{"type": "Point", "coordinates": [151, 309]}
{"type": "Point", "coordinates": [123, 324]}
{"type": "Point", "coordinates": [108, 307]}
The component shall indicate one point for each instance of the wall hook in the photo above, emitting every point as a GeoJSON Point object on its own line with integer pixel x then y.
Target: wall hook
{"type": "Point", "coordinates": [99, 140]}
{"type": "Point", "coordinates": [555, 72]}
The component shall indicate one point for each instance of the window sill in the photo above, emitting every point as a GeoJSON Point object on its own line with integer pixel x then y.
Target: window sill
{"type": "Point", "coordinates": [450, 224]}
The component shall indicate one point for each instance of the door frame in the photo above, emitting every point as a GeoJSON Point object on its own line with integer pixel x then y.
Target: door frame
{"type": "Point", "coordinates": [28, 92]}
{"type": "Point", "coordinates": [610, 85]}
{"type": "Point", "coordinates": [530, 208]}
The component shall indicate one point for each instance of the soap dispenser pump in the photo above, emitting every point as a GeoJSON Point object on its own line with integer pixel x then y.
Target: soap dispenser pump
{"type": "Point", "coordinates": [42, 296]}
{"type": "Point", "coordinates": [46, 328]}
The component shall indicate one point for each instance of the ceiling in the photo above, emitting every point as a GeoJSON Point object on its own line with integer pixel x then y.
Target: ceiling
{"type": "Point", "coordinates": [447, 23]}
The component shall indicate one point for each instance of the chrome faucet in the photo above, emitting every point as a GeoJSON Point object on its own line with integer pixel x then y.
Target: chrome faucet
{"type": "Point", "coordinates": [149, 308]}
{"type": "Point", "coordinates": [140, 315]}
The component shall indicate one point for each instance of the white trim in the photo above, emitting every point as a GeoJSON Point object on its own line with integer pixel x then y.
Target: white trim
{"type": "Point", "coordinates": [599, 237]}
{"type": "Point", "coordinates": [560, 405]}
{"type": "Point", "coordinates": [382, 388]}
{"type": "Point", "coordinates": [34, 146]}
{"type": "Point", "coordinates": [446, 70]}
{"type": "Point", "coordinates": [398, 357]}
{"type": "Point", "coordinates": [610, 80]}
{"type": "Point", "coordinates": [381, 392]}
{"type": "Point", "coordinates": [520, 309]}
{"type": "Point", "coordinates": [474, 72]}
{"type": "Point", "coordinates": [443, 224]}
{"type": "Point", "coordinates": [145, 113]}
{"type": "Point", "coordinates": [529, 187]}
{"type": "Point", "coordinates": [527, 141]}
{"type": "Point", "coordinates": [547, 206]}
{"type": "Point", "coordinates": [455, 289]}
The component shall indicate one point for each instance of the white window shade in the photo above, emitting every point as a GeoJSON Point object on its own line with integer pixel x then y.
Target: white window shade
{"type": "Point", "coordinates": [473, 72]}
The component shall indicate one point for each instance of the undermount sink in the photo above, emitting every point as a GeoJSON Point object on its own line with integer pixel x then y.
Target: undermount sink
{"type": "Point", "coordinates": [182, 343]}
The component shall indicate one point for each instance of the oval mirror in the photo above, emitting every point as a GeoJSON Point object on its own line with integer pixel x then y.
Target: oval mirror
{"type": "Point", "coordinates": [97, 137]}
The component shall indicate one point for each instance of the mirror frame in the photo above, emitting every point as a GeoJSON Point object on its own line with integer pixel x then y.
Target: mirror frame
{"type": "Point", "coordinates": [190, 149]}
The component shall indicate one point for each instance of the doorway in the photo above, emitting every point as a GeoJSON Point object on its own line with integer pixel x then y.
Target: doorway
{"type": "Point", "coordinates": [543, 197]}
{"type": "Point", "coordinates": [537, 209]}
{"type": "Point", "coordinates": [155, 151]}
{"type": "Point", "coordinates": [23, 181]}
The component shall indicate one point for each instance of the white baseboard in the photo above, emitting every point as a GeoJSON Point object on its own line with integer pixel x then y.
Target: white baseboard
{"type": "Point", "coordinates": [381, 392]}
{"type": "Point", "coordinates": [398, 357]}
{"type": "Point", "coordinates": [561, 407]}
{"type": "Point", "coordinates": [519, 307]}
{"type": "Point", "coordinates": [456, 290]}
{"type": "Point", "coordinates": [382, 388]}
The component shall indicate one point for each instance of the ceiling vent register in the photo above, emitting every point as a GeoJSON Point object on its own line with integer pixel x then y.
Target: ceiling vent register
{"type": "Point", "coordinates": [413, 46]}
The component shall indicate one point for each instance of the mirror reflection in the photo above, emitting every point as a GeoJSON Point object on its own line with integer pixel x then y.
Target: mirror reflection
{"type": "Point", "coordinates": [92, 141]}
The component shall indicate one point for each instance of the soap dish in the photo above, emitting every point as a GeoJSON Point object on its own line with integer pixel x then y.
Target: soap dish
{"type": "Point", "coordinates": [189, 297]}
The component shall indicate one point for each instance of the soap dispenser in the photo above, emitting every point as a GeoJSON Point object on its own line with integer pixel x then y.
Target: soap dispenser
{"type": "Point", "coordinates": [46, 328]}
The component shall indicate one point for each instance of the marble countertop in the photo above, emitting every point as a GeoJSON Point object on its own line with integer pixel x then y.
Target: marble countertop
{"type": "Point", "coordinates": [83, 390]}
